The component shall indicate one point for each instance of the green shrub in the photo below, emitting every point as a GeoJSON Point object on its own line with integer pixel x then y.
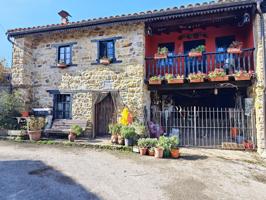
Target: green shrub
{"type": "Point", "coordinates": [140, 129]}
{"type": "Point", "coordinates": [76, 129]}
{"type": "Point", "coordinates": [114, 129]}
{"type": "Point", "coordinates": [128, 132]}
{"type": "Point", "coordinates": [142, 143]}
{"type": "Point", "coordinates": [168, 142]}
{"type": "Point", "coordinates": [152, 142]}
{"type": "Point", "coordinates": [36, 123]}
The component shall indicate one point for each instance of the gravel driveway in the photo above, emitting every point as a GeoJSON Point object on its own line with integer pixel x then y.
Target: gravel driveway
{"type": "Point", "coordinates": [33, 172]}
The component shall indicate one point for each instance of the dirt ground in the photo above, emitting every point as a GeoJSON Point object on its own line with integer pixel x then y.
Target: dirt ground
{"type": "Point", "coordinates": [34, 172]}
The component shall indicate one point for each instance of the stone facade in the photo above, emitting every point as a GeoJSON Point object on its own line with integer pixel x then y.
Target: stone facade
{"type": "Point", "coordinates": [34, 72]}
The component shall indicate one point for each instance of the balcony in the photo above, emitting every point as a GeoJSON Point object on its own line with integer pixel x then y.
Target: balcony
{"type": "Point", "coordinates": [184, 65]}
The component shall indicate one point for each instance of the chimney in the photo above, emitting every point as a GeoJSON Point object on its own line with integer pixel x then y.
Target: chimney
{"type": "Point", "coordinates": [64, 16]}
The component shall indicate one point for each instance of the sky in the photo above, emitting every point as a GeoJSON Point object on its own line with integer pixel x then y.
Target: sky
{"type": "Point", "coordinates": [28, 13]}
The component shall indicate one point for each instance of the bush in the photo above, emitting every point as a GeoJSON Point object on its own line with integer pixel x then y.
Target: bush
{"type": "Point", "coordinates": [140, 129]}
{"type": "Point", "coordinates": [10, 107]}
{"type": "Point", "coordinates": [168, 143]}
{"type": "Point", "coordinates": [76, 129]}
{"type": "Point", "coordinates": [114, 129]}
{"type": "Point", "coordinates": [142, 143]}
{"type": "Point", "coordinates": [36, 123]}
{"type": "Point", "coordinates": [128, 132]}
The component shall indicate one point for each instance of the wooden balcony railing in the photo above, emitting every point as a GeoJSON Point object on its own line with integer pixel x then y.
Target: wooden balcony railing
{"type": "Point", "coordinates": [184, 65]}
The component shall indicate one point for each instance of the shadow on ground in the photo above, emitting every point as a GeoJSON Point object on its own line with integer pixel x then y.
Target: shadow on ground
{"type": "Point", "coordinates": [27, 179]}
{"type": "Point", "coordinates": [193, 157]}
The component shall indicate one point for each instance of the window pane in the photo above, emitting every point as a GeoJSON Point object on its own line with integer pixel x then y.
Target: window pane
{"type": "Point", "coordinates": [62, 50]}
{"type": "Point", "coordinates": [67, 49]}
{"type": "Point", "coordinates": [68, 61]}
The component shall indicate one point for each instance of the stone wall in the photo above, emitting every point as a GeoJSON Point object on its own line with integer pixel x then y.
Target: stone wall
{"type": "Point", "coordinates": [34, 71]}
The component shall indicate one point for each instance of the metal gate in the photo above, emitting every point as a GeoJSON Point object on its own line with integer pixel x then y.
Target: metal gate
{"type": "Point", "coordinates": [208, 127]}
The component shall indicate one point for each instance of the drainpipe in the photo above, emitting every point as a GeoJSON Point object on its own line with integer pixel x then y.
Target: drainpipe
{"type": "Point", "coordinates": [262, 27]}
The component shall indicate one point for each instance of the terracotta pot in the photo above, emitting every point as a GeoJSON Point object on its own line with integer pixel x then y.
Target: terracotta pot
{"type": "Point", "coordinates": [194, 54]}
{"type": "Point", "coordinates": [72, 137]}
{"type": "Point", "coordinates": [196, 80]}
{"type": "Point", "coordinates": [234, 132]}
{"type": "Point", "coordinates": [121, 140]}
{"type": "Point", "coordinates": [242, 78]}
{"type": "Point", "coordinates": [219, 79]}
{"type": "Point", "coordinates": [114, 139]}
{"type": "Point", "coordinates": [155, 82]}
{"type": "Point", "coordinates": [175, 81]}
{"type": "Point", "coordinates": [234, 50]}
{"type": "Point", "coordinates": [105, 61]}
{"type": "Point", "coordinates": [158, 56]}
{"type": "Point", "coordinates": [34, 135]}
{"type": "Point", "coordinates": [25, 114]}
{"type": "Point", "coordinates": [142, 151]}
{"type": "Point", "coordinates": [175, 153]}
{"type": "Point", "coordinates": [151, 153]}
{"type": "Point", "coordinates": [158, 152]}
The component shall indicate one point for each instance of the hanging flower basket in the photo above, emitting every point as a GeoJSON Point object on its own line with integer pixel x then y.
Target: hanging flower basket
{"type": "Point", "coordinates": [234, 50]}
{"type": "Point", "coordinates": [219, 79]}
{"type": "Point", "coordinates": [195, 54]}
{"type": "Point", "coordinates": [158, 56]}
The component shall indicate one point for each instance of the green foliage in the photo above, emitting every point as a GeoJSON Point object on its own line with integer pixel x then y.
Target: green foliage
{"type": "Point", "coordinates": [140, 129]}
{"type": "Point", "coordinates": [76, 129]}
{"type": "Point", "coordinates": [36, 123]}
{"type": "Point", "coordinates": [142, 143]}
{"type": "Point", "coordinates": [147, 142]}
{"type": "Point", "coordinates": [163, 50]}
{"type": "Point", "coordinates": [236, 44]}
{"type": "Point", "coordinates": [199, 49]}
{"type": "Point", "coordinates": [10, 106]}
{"type": "Point", "coordinates": [3, 70]}
{"type": "Point", "coordinates": [217, 73]}
{"type": "Point", "coordinates": [155, 78]}
{"type": "Point", "coordinates": [167, 143]}
{"type": "Point", "coordinates": [114, 129]}
{"type": "Point", "coordinates": [128, 132]}
{"type": "Point", "coordinates": [174, 142]}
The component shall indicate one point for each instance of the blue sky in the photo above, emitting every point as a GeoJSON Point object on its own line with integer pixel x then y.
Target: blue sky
{"type": "Point", "coordinates": [27, 13]}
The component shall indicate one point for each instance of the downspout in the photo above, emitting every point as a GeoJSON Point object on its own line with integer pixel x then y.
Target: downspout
{"type": "Point", "coordinates": [262, 27]}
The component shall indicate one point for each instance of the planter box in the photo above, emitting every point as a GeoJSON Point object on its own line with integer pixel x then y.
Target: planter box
{"type": "Point", "coordinates": [160, 56]}
{"type": "Point", "coordinates": [194, 54]}
{"type": "Point", "coordinates": [61, 65]}
{"type": "Point", "coordinates": [197, 80]}
{"type": "Point", "coordinates": [15, 132]}
{"type": "Point", "coordinates": [155, 82]}
{"type": "Point", "coordinates": [234, 50]}
{"type": "Point", "coordinates": [219, 79]}
{"type": "Point", "coordinates": [232, 146]}
{"type": "Point", "coordinates": [105, 61]}
{"type": "Point", "coordinates": [242, 78]}
{"type": "Point", "coordinates": [175, 81]}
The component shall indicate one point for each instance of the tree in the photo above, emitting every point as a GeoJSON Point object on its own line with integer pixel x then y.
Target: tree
{"type": "Point", "coordinates": [3, 70]}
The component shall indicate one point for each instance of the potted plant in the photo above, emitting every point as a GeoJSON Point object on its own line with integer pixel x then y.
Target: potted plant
{"type": "Point", "coordinates": [235, 47]}
{"type": "Point", "coordinates": [25, 114]}
{"type": "Point", "coordinates": [196, 77]}
{"type": "Point", "coordinates": [218, 75]}
{"type": "Point", "coordinates": [174, 141]}
{"type": "Point", "coordinates": [171, 79]}
{"type": "Point", "coordinates": [143, 146]}
{"type": "Point", "coordinates": [197, 52]}
{"type": "Point", "coordinates": [105, 61]}
{"type": "Point", "coordinates": [61, 64]}
{"type": "Point", "coordinates": [75, 131]}
{"type": "Point", "coordinates": [162, 53]}
{"type": "Point", "coordinates": [140, 129]}
{"type": "Point", "coordinates": [243, 75]}
{"type": "Point", "coordinates": [159, 149]}
{"type": "Point", "coordinates": [151, 144]}
{"type": "Point", "coordinates": [114, 130]}
{"type": "Point", "coordinates": [128, 133]}
{"type": "Point", "coordinates": [155, 80]}
{"type": "Point", "coordinates": [35, 126]}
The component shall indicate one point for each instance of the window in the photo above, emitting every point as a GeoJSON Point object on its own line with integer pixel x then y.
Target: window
{"type": "Point", "coordinates": [62, 106]}
{"type": "Point", "coordinates": [222, 44]}
{"type": "Point", "coordinates": [169, 46]}
{"type": "Point", "coordinates": [107, 49]}
{"type": "Point", "coordinates": [65, 54]}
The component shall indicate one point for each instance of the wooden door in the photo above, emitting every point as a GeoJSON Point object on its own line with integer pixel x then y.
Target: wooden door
{"type": "Point", "coordinates": [105, 114]}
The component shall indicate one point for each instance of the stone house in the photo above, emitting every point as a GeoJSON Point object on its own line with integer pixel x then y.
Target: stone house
{"type": "Point", "coordinates": [62, 66]}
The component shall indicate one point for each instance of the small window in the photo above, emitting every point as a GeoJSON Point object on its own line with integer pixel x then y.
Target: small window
{"type": "Point", "coordinates": [62, 106]}
{"type": "Point", "coordinates": [65, 55]}
{"type": "Point", "coordinates": [107, 50]}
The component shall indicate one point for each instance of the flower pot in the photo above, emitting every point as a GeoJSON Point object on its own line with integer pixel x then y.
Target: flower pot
{"type": "Point", "coordinates": [175, 81]}
{"type": "Point", "coordinates": [155, 82]}
{"type": "Point", "coordinates": [142, 151]}
{"type": "Point", "coordinates": [25, 114]}
{"type": "Point", "coordinates": [72, 137]}
{"type": "Point", "coordinates": [151, 152]}
{"type": "Point", "coordinates": [34, 135]}
{"type": "Point", "coordinates": [219, 79]}
{"type": "Point", "coordinates": [243, 78]}
{"type": "Point", "coordinates": [234, 50]}
{"type": "Point", "coordinates": [105, 61]}
{"type": "Point", "coordinates": [195, 54]}
{"type": "Point", "coordinates": [248, 145]}
{"type": "Point", "coordinates": [200, 80]}
{"type": "Point", "coordinates": [175, 153]}
{"type": "Point", "coordinates": [128, 142]}
{"type": "Point", "coordinates": [158, 152]}
{"type": "Point", "coordinates": [158, 56]}
{"type": "Point", "coordinates": [120, 140]}
{"type": "Point", "coordinates": [61, 65]}
{"type": "Point", "coordinates": [114, 139]}
{"type": "Point", "coordinates": [166, 153]}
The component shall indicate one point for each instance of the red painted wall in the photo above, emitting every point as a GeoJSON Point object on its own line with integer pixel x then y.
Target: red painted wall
{"type": "Point", "coordinates": [243, 34]}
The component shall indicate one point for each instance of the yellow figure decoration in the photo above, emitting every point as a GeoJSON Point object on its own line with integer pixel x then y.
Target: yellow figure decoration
{"type": "Point", "coordinates": [126, 117]}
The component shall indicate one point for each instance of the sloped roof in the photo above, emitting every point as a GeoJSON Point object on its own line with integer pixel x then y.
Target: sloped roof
{"type": "Point", "coordinates": [182, 11]}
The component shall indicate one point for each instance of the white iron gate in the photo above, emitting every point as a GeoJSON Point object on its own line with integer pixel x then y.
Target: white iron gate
{"type": "Point", "coordinates": [208, 127]}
